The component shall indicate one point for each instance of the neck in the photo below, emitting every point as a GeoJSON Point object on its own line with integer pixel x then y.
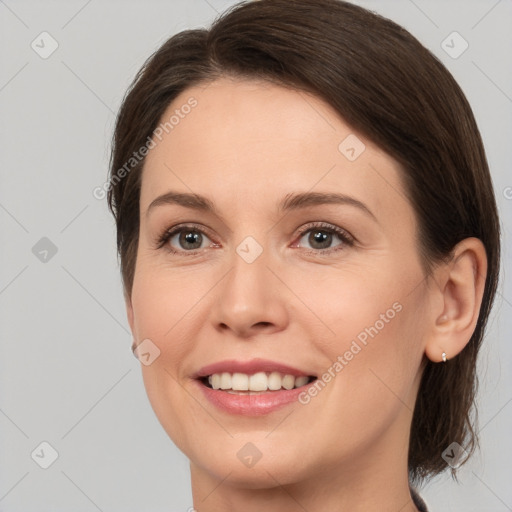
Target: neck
{"type": "Point", "coordinates": [329, 495]}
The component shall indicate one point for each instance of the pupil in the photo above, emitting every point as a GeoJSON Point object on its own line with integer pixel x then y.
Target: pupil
{"type": "Point", "coordinates": [191, 238]}
{"type": "Point", "coordinates": [321, 237]}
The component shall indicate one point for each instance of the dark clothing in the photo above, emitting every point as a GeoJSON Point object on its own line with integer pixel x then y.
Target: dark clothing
{"type": "Point", "coordinates": [420, 504]}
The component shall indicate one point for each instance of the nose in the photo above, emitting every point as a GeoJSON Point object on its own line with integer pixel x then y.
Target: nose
{"type": "Point", "coordinates": [251, 299]}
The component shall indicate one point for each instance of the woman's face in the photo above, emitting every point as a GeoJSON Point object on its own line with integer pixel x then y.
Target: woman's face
{"type": "Point", "coordinates": [266, 276]}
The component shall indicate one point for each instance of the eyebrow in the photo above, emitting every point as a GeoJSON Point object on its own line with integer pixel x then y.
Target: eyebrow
{"type": "Point", "coordinates": [289, 202]}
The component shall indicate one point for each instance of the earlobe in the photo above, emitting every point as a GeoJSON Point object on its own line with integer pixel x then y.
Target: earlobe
{"type": "Point", "coordinates": [461, 286]}
{"type": "Point", "coordinates": [129, 312]}
{"type": "Point", "coordinates": [129, 315]}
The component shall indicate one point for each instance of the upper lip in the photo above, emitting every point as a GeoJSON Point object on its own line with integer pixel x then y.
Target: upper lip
{"type": "Point", "coordinates": [249, 367]}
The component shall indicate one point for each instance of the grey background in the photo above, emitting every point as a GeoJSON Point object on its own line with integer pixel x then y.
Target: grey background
{"type": "Point", "coordinates": [67, 374]}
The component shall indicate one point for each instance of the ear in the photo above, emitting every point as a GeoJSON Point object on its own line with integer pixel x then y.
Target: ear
{"type": "Point", "coordinates": [129, 315]}
{"type": "Point", "coordinates": [459, 292]}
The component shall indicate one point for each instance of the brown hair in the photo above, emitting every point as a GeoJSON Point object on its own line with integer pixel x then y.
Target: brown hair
{"type": "Point", "coordinates": [390, 89]}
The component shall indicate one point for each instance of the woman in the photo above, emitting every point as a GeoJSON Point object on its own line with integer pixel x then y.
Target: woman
{"type": "Point", "coordinates": [309, 246]}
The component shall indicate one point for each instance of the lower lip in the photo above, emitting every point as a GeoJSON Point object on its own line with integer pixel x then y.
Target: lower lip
{"type": "Point", "coordinates": [251, 405]}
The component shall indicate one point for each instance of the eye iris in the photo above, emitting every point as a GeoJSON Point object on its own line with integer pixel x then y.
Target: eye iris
{"type": "Point", "coordinates": [321, 237]}
{"type": "Point", "coordinates": [191, 237]}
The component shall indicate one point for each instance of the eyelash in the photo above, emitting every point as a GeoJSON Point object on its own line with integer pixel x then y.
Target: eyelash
{"type": "Point", "coordinates": [346, 239]}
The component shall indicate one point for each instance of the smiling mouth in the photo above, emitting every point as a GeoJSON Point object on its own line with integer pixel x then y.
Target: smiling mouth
{"type": "Point", "coordinates": [254, 384]}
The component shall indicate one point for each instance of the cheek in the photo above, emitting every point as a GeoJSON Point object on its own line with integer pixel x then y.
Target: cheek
{"type": "Point", "coordinates": [362, 304]}
{"type": "Point", "coordinates": [373, 344]}
{"type": "Point", "coordinates": [163, 306]}
{"type": "Point", "coordinates": [164, 301]}
{"type": "Point", "coordinates": [374, 384]}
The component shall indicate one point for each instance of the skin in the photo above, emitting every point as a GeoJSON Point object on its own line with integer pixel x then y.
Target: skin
{"type": "Point", "coordinates": [246, 145]}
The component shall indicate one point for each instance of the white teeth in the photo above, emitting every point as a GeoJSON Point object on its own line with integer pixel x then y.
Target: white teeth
{"type": "Point", "coordinates": [240, 381]}
{"type": "Point", "coordinates": [257, 382]}
{"type": "Point", "coordinates": [261, 381]}
{"type": "Point", "coordinates": [215, 381]}
{"type": "Point", "coordinates": [274, 381]}
{"type": "Point", "coordinates": [225, 380]}
{"type": "Point", "coordinates": [288, 382]}
{"type": "Point", "coordinates": [301, 381]}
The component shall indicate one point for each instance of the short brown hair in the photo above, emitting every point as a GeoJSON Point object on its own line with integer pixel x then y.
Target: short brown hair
{"type": "Point", "coordinates": [389, 88]}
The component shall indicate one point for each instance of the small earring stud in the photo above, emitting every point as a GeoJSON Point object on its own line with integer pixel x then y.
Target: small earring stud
{"type": "Point", "coordinates": [443, 355]}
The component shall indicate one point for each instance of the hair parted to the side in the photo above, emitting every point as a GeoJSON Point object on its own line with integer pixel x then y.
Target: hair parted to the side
{"type": "Point", "coordinates": [390, 89]}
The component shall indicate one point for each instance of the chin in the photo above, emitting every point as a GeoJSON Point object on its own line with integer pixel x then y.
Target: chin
{"type": "Point", "coordinates": [250, 460]}
{"type": "Point", "coordinates": [263, 475]}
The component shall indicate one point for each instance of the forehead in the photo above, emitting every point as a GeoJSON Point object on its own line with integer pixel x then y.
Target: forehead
{"type": "Point", "coordinates": [253, 142]}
